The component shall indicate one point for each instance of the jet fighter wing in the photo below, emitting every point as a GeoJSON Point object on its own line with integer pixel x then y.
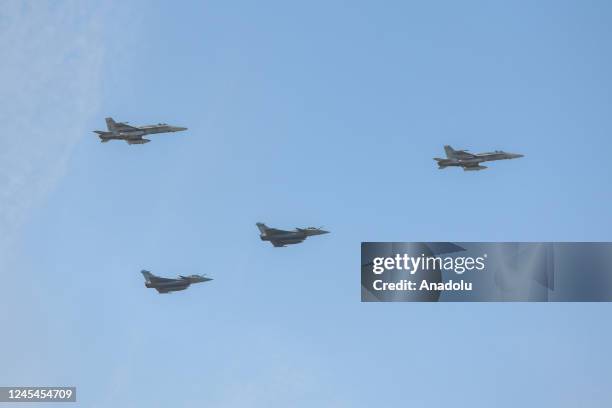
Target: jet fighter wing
{"type": "Point", "coordinates": [462, 154]}
{"type": "Point", "coordinates": [272, 231]}
{"type": "Point", "coordinates": [116, 127]}
{"type": "Point", "coordinates": [286, 241]}
{"type": "Point", "coordinates": [121, 126]}
{"type": "Point", "coordinates": [157, 279]}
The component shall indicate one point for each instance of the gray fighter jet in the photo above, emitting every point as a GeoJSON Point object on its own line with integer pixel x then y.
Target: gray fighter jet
{"type": "Point", "coordinates": [133, 134]}
{"type": "Point", "coordinates": [165, 285]}
{"type": "Point", "coordinates": [280, 238]}
{"type": "Point", "coordinates": [469, 161]}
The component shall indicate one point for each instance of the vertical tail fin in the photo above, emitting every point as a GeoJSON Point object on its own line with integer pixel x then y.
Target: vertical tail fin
{"type": "Point", "coordinates": [450, 152]}
{"type": "Point", "coordinates": [110, 124]}
{"type": "Point", "coordinates": [147, 275]}
{"type": "Point", "coordinates": [262, 227]}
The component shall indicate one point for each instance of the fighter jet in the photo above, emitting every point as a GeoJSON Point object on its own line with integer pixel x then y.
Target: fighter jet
{"type": "Point", "coordinates": [469, 161]}
{"type": "Point", "coordinates": [133, 134]}
{"type": "Point", "coordinates": [280, 238]}
{"type": "Point", "coordinates": [165, 285]}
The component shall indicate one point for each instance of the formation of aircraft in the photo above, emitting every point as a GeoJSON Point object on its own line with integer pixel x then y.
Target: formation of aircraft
{"type": "Point", "coordinates": [280, 238]}
{"type": "Point", "coordinates": [133, 134]}
{"type": "Point", "coordinates": [166, 285]}
{"type": "Point", "coordinates": [277, 237]}
{"type": "Point", "coordinates": [470, 161]}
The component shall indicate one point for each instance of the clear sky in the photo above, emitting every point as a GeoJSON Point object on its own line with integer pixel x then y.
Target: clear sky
{"type": "Point", "coordinates": [323, 113]}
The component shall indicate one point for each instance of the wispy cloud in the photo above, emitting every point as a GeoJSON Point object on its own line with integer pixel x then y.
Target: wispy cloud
{"type": "Point", "coordinates": [52, 60]}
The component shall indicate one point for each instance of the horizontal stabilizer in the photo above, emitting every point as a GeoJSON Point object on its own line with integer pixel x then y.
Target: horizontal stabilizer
{"type": "Point", "coordinates": [440, 162]}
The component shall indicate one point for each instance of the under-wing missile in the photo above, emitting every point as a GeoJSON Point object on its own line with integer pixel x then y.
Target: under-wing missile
{"type": "Point", "coordinates": [135, 141]}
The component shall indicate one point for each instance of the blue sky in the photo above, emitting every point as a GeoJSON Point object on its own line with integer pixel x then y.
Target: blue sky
{"type": "Point", "coordinates": [320, 113]}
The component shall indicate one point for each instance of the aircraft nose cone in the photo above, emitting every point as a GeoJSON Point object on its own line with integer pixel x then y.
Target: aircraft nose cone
{"type": "Point", "coordinates": [179, 129]}
{"type": "Point", "coordinates": [518, 156]}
